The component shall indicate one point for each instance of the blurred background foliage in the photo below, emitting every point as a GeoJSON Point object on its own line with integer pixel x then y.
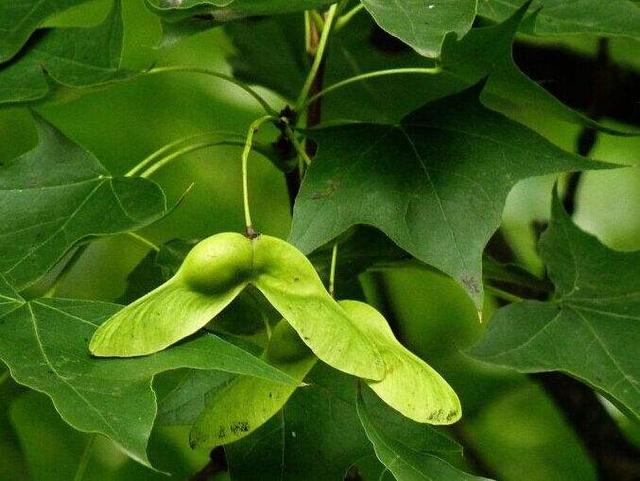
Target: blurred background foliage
{"type": "Point", "coordinates": [509, 423]}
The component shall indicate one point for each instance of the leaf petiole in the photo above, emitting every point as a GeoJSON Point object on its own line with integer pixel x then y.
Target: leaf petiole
{"type": "Point", "coordinates": [253, 128]}
{"type": "Point", "coordinates": [212, 73]}
{"type": "Point", "coordinates": [143, 241]}
{"type": "Point", "coordinates": [319, 57]}
{"type": "Point", "coordinates": [332, 272]}
{"type": "Point", "coordinates": [367, 76]}
{"type": "Point", "coordinates": [504, 295]}
{"type": "Point", "coordinates": [298, 146]}
{"type": "Point", "coordinates": [86, 457]}
{"type": "Point", "coordinates": [344, 19]}
{"type": "Point", "coordinates": [4, 376]}
{"type": "Point", "coordinates": [164, 161]}
{"type": "Point", "coordinates": [167, 148]}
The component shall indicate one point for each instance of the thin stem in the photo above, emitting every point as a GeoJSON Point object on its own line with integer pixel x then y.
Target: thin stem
{"type": "Point", "coordinates": [84, 460]}
{"type": "Point", "coordinates": [212, 73]}
{"type": "Point", "coordinates": [298, 146]}
{"type": "Point", "coordinates": [143, 241]}
{"type": "Point", "coordinates": [319, 57]}
{"type": "Point", "coordinates": [185, 150]}
{"type": "Point", "coordinates": [332, 272]}
{"type": "Point", "coordinates": [64, 272]}
{"type": "Point", "coordinates": [504, 295]}
{"type": "Point", "coordinates": [253, 128]}
{"type": "Point", "coordinates": [347, 17]}
{"type": "Point", "coordinates": [167, 148]}
{"type": "Point", "coordinates": [367, 76]}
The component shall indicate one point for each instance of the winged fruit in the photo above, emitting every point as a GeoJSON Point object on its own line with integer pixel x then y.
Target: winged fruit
{"type": "Point", "coordinates": [212, 275]}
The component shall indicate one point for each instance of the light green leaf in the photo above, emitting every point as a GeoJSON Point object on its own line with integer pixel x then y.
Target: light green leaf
{"type": "Point", "coordinates": [404, 462]}
{"type": "Point", "coordinates": [72, 57]}
{"type": "Point", "coordinates": [423, 24]}
{"type": "Point", "coordinates": [44, 344]}
{"type": "Point", "coordinates": [589, 330]}
{"type": "Point", "coordinates": [18, 20]}
{"type": "Point", "coordinates": [559, 17]}
{"type": "Point", "coordinates": [435, 183]}
{"type": "Point", "coordinates": [57, 195]}
{"type": "Point", "coordinates": [411, 386]}
{"type": "Point", "coordinates": [212, 275]}
{"type": "Point", "coordinates": [186, 17]}
{"type": "Point", "coordinates": [245, 404]}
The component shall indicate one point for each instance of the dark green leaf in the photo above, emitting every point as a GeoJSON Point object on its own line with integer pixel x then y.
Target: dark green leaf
{"type": "Point", "coordinates": [404, 461]}
{"type": "Point", "coordinates": [59, 194]}
{"type": "Point", "coordinates": [590, 330]}
{"type": "Point", "coordinates": [72, 57]}
{"type": "Point", "coordinates": [57, 452]}
{"type": "Point", "coordinates": [361, 48]}
{"type": "Point", "coordinates": [186, 17]}
{"type": "Point", "coordinates": [18, 20]}
{"type": "Point", "coordinates": [423, 24]}
{"type": "Point", "coordinates": [436, 183]}
{"type": "Point", "coordinates": [318, 435]}
{"type": "Point", "coordinates": [183, 405]}
{"type": "Point", "coordinates": [560, 17]}
{"type": "Point", "coordinates": [270, 52]}
{"type": "Point", "coordinates": [45, 344]}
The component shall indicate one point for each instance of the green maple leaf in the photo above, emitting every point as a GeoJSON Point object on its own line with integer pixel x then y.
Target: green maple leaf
{"type": "Point", "coordinates": [589, 330]}
{"type": "Point", "coordinates": [318, 435]}
{"type": "Point", "coordinates": [481, 53]}
{"type": "Point", "coordinates": [181, 18]}
{"type": "Point", "coordinates": [44, 342]}
{"type": "Point", "coordinates": [435, 183]}
{"type": "Point", "coordinates": [18, 21]}
{"type": "Point", "coordinates": [558, 17]}
{"type": "Point", "coordinates": [423, 24]}
{"type": "Point", "coordinates": [57, 195]}
{"type": "Point", "coordinates": [71, 57]}
{"type": "Point", "coordinates": [398, 452]}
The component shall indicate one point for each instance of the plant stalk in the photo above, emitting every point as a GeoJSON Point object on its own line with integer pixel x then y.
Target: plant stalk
{"type": "Point", "coordinates": [316, 66]}
{"type": "Point", "coordinates": [212, 73]}
{"type": "Point", "coordinates": [367, 76]}
{"type": "Point", "coordinates": [150, 159]}
{"type": "Point", "coordinates": [253, 128]}
{"type": "Point", "coordinates": [332, 272]}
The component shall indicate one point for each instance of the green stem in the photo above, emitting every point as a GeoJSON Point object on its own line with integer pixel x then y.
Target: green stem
{"type": "Point", "coordinates": [167, 148]}
{"type": "Point", "coordinates": [212, 73]}
{"type": "Point", "coordinates": [4, 376]}
{"type": "Point", "coordinates": [319, 57]}
{"type": "Point", "coordinates": [298, 146]}
{"type": "Point", "coordinates": [347, 17]}
{"type": "Point", "coordinates": [143, 241]}
{"type": "Point", "coordinates": [332, 272]}
{"type": "Point", "coordinates": [253, 128]}
{"type": "Point", "coordinates": [504, 295]}
{"type": "Point", "coordinates": [65, 270]}
{"type": "Point", "coordinates": [185, 150]}
{"type": "Point", "coordinates": [84, 460]}
{"type": "Point", "coordinates": [367, 76]}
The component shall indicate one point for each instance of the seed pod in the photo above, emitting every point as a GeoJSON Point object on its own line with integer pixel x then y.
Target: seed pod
{"type": "Point", "coordinates": [212, 275]}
